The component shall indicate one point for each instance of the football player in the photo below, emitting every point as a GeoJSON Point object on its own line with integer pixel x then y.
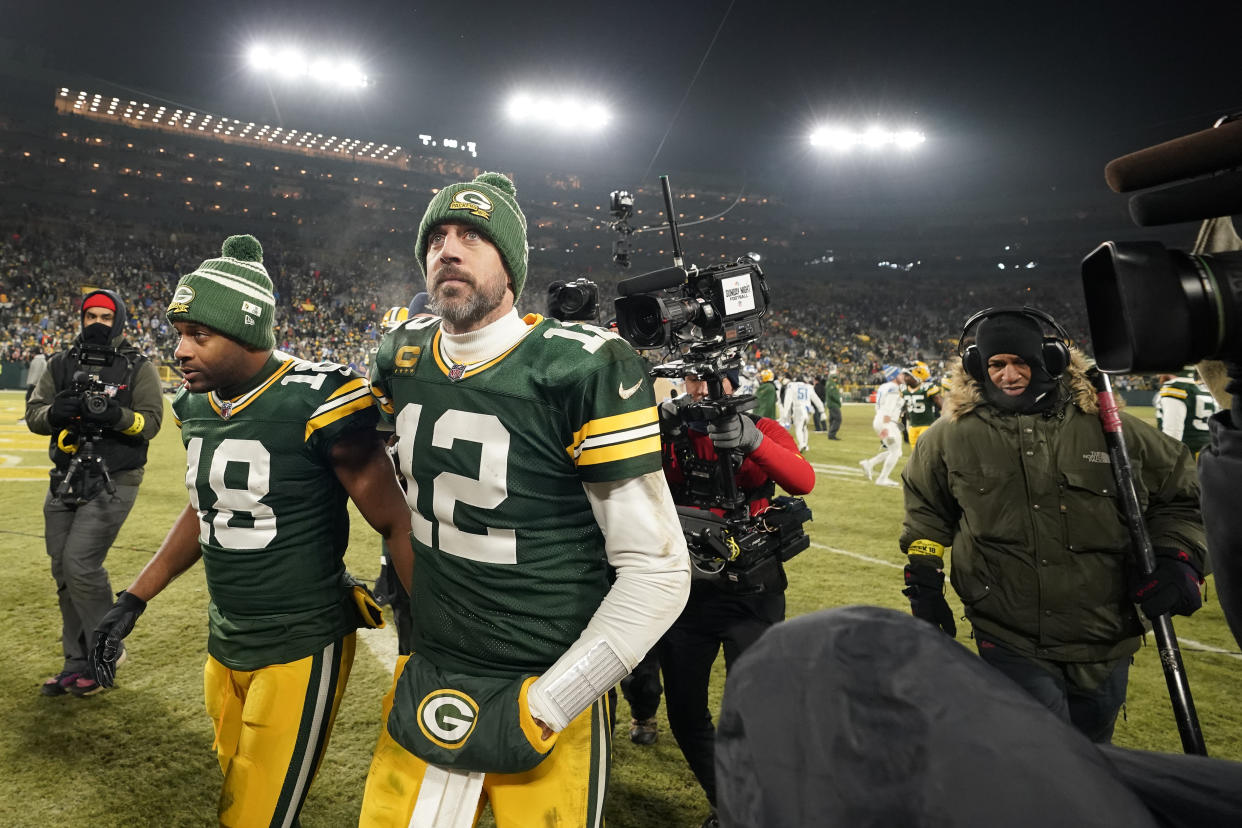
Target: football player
{"type": "Point", "coordinates": [799, 400]}
{"type": "Point", "coordinates": [922, 401]}
{"type": "Point", "coordinates": [275, 446]}
{"type": "Point", "coordinates": [887, 424]}
{"type": "Point", "coordinates": [1183, 407]}
{"type": "Point", "coordinates": [531, 453]}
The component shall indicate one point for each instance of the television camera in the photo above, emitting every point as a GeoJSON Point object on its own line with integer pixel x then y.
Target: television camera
{"type": "Point", "coordinates": [87, 473]}
{"type": "Point", "coordinates": [574, 301]}
{"type": "Point", "coordinates": [701, 319]}
{"type": "Point", "coordinates": [1151, 308]}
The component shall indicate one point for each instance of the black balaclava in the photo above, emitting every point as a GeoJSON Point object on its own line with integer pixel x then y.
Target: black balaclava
{"type": "Point", "coordinates": [1022, 336]}
{"type": "Point", "coordinates": [98, 333]}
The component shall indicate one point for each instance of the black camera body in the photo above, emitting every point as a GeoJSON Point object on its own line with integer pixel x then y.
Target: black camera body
{"type": "Point", "coordinates": [1155, 309]}
{"type": "Point", "coordinates": [576, 301]}
{"type": "Point", "coordinates": [93, 392]}
{"type": "Point", "coordinates": [717, 307]}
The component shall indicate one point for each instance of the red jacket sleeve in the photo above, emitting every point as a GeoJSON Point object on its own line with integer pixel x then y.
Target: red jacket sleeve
{"type": "Point", "coordinates": [778, 456]}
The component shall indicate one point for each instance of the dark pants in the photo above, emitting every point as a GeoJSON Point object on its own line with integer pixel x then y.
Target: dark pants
{"type": "Point", "coordinates": [642, 689]}
{"type": "Point", "coordinates": [1088, 696]}
{"type": "Point", "coordinates": [78, 539]}
{"type": "Point", "coordinates": [711, 619]}
{"type": "Point", "coordinates": [834, 422]}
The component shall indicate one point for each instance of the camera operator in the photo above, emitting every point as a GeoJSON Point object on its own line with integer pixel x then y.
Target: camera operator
{"type": "Point", "coordinates": [715, 616]}
{"type": "Point", "coordinates": [101, 403]}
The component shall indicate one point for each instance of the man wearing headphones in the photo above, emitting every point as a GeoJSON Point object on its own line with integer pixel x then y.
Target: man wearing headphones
{"type": "Point", "coordinates": [1018, 481]}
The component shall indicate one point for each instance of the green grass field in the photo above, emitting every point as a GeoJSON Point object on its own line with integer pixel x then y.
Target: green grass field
{"type": "Point", "coordinates": [141, 754]}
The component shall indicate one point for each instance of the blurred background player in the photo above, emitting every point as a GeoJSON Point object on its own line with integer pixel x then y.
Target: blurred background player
{"type": "Point", "coordinates": [1183, 407]}
{"type": "Point", "coordinates": [887, 425]}
{"type": "Point", "coordinates": [799, 401]}
{"type": "Point", "coordinates": [832, 403]}
{"type": "Point", "coordinates": [922, 400]}
{"type": "Point", "coordinates": [766, 399]}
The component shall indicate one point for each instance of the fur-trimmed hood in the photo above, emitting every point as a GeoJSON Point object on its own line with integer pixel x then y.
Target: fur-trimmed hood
{"type": "Point", "coordinates": [965, 394]}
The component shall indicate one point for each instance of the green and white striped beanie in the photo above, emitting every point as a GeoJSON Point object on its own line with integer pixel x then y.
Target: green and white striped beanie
{"type": "Point", "coordinates": [231, 294]}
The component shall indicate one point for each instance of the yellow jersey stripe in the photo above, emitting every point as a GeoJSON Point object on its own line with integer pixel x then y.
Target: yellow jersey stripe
{"type": "Point", "coordinates": [352, 385]}
{"type": "Point", "coordinates": [335, 401]}
{"type": "Point", "coordinates": [617, 422]}
{"type": "Point", "coordinates": [385, 404]}
{"type": "Point", "coordinates": [329, 417]}
{"type": "Point", "coordinates": [1173, 392]}
{"type": "Point", "coordinates": [251, 396]}
{"type": "Point", "coordinates": [619, 451]}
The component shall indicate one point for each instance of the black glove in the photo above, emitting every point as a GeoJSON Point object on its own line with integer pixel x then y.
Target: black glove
{"type": "Point", "coordinates": [670, 411]}
{"type": "Point", "coordinates": [108, 418]}
{"type": "Point", "coordinates": [66, 407]}
{"type": "Point", "coordinates": [925, 589]}
{"type": "Point", "coordinates": [1172, 588]}
{"type": "Point", "coordinates": [116, 624]}
{"type": "Point", "coordinates": [733, 431]}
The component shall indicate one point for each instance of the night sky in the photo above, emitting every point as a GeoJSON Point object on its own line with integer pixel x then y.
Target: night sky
{"type": "Point", "coordinates": [1020, 100]}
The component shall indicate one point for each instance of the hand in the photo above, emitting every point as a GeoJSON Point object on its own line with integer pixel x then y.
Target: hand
{"type": "Point", "coordinates": [66, 407]}
{"type": "Point", "coordinates": [671, 423]}
{"type": "Point", "coordinates": [925, 589]}
{"type": "Point", "coordinates": [116, 624]}
{"type": "Point", "coordinates": [108, 418]}
{"type": "Point", "coordinates": [1172, 588]}
{"type": "Point", "coordinates": [735, 431]}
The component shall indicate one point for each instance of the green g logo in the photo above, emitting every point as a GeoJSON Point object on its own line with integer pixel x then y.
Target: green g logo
{"type": "Point", "coordinates": [447, 717]}
{"type": "Point", "coordinates": [474, 201]}
{"type": "Point", "coordinates": [181, 299]}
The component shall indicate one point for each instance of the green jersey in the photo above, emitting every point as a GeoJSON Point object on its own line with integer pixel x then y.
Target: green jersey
{"type": "Point", "coordinates": [1183, 408]}
{"type": "Point", "coordinates": [920, 405]}
{"type": "Point", "coordinates": [509, 562]}
{"type": "Point", "coordinates": [272, 514]}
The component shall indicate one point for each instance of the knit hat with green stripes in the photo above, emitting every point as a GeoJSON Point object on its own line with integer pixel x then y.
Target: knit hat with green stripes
{"type": "Point", "coordinates": [490, 205]}
{"type": "Point", "coordinates": [231, 294]}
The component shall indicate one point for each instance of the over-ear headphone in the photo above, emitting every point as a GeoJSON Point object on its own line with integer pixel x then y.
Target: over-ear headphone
{"type": "Point", "coordinates": [1054, 351]}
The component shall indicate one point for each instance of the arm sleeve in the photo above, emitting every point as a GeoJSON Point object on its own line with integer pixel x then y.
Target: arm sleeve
{"type": "Point", "coordinates": [650, 590]}
{"type": "Point", "coordinates": [147, 400]}
{"type": "Point", "coordinates": [1166, 471]}
{"type": "Point", "coordinates": [778, 456]}
{"type": "Point", "coordinates": [1172, 416]}
{"type": "Point", "coordinates": [817, 403]}
{"type": "Point", "coordinates": [932, 512]}
{"type": "Point", "coordinates": [39, 403]}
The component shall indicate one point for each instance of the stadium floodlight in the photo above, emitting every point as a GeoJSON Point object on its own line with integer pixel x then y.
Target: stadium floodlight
{"type": "Point", "coordinates": [562, 112]}
{"type": "Point", "coordinates": [259, 57]}
{"type": "Point", "coordinates": [292, 64]}
{"type": "Point", "coordinates": [843, 139]}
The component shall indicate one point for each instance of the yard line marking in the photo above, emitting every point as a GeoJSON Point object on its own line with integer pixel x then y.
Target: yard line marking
{"type": "Point", "coordinates": [850, 554]}
{"type": "Point", "coordinates": [383, 644]}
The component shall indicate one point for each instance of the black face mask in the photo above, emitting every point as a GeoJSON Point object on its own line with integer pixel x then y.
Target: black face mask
{"type": "Point", "coordinates": [97, 333]}
{"type": "Point", "coordinates": [1040, 394]}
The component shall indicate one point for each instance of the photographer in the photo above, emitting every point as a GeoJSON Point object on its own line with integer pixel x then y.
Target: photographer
{"type": "Point", "coordinates": [100, 401]}
{"type": "Point", "coordinates": [715, 615]}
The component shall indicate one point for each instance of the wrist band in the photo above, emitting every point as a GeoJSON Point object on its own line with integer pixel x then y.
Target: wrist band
{"type": "Point", "coordinates": [136, 427]}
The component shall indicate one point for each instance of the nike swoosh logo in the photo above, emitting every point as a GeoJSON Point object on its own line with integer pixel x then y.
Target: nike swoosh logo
{"type": "Point", "coordinates": [626, 393]}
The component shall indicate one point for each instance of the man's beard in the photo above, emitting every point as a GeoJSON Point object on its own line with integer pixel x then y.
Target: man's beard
{"type": "Point", "coordinates": [465, 312]}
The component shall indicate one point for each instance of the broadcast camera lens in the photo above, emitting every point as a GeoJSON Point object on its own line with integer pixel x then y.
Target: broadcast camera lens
{"type": "Point", "coordinates": [95, 403]}
{"type": "Point", "coordinates": [1155, 309]}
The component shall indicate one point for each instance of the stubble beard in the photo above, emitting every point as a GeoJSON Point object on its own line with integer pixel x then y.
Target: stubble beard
{"type": "Point", "coordinates": [465, 311]}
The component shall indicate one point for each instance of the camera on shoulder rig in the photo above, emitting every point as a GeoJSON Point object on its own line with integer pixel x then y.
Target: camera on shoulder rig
{"type": "Point", "coordinates": [700, 319]}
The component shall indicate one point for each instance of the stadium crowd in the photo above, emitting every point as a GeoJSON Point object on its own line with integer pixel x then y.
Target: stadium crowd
{"type": "Point", "coordinates": [331, 300]}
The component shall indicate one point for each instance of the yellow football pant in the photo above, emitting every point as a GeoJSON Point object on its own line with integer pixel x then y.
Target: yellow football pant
{"type": "Point", "coordinates": [272, 725]}
{"type": "Point", "coordinates": [566, 789]}
{"type": "Point", "coordinates": [914, 432]}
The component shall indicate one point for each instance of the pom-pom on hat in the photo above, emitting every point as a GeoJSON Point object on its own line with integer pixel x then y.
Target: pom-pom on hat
{"type": "Point", "coordinates": [489, 204]}
{"type": "Point", "coordinates": [231, 294]}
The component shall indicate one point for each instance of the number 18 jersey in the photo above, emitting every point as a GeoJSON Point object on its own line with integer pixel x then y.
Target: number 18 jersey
{"type": "Point", "coordinates": [273, 524]}
{"type": "Point", "coordinates": [509, 561]}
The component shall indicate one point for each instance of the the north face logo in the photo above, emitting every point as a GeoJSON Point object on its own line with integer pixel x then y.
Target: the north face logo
{"type": "Point", "coordinates": [447, 717]}
{"type": "Point", "coordinates": [474, 201]}
{"type": "Point", "coordinates": [1096, 457]}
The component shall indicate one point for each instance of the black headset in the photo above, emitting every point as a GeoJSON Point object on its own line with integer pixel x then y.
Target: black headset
{"type": "Point", "coordinates": [1055, 351]}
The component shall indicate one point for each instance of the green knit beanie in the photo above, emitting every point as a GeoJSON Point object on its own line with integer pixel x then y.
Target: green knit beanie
{"type": "Point", "coordinates": [490, 205]}
{"type": "Point", "coordinates": [231, 294]}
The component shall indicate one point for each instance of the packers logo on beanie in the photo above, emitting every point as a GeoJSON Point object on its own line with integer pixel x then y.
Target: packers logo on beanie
{"type": "Point", "coordinates": [488, 204]}
{"type": "Point", "coordinates": [231, 294]}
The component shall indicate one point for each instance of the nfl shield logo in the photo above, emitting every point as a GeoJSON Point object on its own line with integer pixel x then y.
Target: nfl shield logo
{"type": "Point", "coordinates": [456, 372]}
